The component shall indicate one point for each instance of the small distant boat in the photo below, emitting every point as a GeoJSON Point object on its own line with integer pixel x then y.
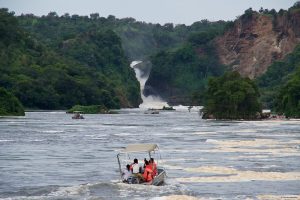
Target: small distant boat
{"type": "Point", "coordinates": [139, 149]}
{"type": "Point", "coordinates": [152, 111]}
{"type": "Point", "coordinates": [77, 115]}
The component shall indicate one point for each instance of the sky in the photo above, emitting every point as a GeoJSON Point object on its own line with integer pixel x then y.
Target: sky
{"type": "Point", "coordinates": [154, 11]}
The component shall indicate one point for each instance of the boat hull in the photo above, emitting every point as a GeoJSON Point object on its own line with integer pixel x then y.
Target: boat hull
{"type": "Point", "coordinates": [157, 180]}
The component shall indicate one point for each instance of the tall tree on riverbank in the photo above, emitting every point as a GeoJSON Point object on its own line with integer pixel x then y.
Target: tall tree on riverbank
{"type": "Point", "coordinates": [232, 97]}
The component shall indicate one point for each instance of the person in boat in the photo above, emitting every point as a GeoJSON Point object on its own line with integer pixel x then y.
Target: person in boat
{"type": "Point", "coordinates": [145, 160]}
{"type": "Point", "coordinates": [126, 173]}
{"type": "Point", "coordinates": [136, 169]}
{"type": "Point", "coordinates": [153, 166]}
{"type": "Point", "coordinates": [148, 172]}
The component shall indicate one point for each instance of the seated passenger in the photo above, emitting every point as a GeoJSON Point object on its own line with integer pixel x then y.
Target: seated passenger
{"type": "Point", "coordinates": [126, 173]}
{"type": "Point", "coordinates": [135, 168]}
{"type": "Point", "coordinates": [153, 166]}
{"type": "Point", "coordinates": [145, 162]}
{"type": "Point", "coordinates": [148, 172]}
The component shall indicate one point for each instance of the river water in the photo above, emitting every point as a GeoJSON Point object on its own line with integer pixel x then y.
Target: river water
{"type": "Point", "coordinates": [47, 155]}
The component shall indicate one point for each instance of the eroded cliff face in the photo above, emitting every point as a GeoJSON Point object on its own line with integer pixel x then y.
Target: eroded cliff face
{"type": "Point", "coordinates": [254, 42]}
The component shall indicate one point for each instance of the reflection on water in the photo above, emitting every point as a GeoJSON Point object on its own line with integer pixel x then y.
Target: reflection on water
{"type": "Point", "coordinates": [47, 155]}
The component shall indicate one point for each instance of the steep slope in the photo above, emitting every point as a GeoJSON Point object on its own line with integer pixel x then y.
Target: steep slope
{"type": "Point", "coordinates": [256, 40]}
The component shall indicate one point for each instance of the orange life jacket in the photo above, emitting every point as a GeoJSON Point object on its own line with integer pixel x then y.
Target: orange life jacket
{"type": "Point", "coordinates": [148, 173]}
{"type": "Point", "coordinates": [154, 168]}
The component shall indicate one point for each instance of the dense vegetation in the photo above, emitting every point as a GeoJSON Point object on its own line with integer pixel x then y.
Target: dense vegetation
{"type": "Point", "coordinates": [9, 104]}
{"type": "Point", "coordinates": [277, 76]}
{"type": "Point", "coordinates": [82, 46]}
{"type": "Point", "coordinates": [56, 62]}
{"type": "Point", "coordinates": [183, 71]}
{"type": "Point", "coordinates": [88, 68]}
{"type": "Point", "coordinates": [139, 39]}
{"type": "Point", "coordinates": [232, 97]}
{"type": "Point", "coordinates": [288, 99]}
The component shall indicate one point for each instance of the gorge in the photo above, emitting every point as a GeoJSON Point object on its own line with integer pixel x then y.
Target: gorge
{"type": "Point", "coordinates": [142, 71]}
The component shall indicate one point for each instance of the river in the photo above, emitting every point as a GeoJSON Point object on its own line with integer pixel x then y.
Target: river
{"type": "Point", "coordinates": [47, 155]}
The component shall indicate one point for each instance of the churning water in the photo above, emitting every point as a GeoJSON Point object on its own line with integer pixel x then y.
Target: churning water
{"type": "Point", "coordinates": [150, 101]}
{"type": "Point", "coordinates": [47, 155]}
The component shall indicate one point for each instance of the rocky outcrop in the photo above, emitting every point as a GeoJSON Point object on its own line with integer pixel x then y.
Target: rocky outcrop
{"type": "Point", "coordinates": [257, 40]}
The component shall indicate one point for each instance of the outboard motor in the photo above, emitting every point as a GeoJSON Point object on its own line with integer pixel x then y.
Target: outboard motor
{"type": "Point", "coordinates": [133, 180]}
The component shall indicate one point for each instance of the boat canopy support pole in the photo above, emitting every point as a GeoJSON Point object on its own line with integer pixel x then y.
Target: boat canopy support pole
{"type": "Point", "coordinates": [119, 165]}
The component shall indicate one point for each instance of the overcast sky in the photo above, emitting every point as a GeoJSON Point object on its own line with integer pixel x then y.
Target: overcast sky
{"type": "Point", "coordinates": [155, 11]}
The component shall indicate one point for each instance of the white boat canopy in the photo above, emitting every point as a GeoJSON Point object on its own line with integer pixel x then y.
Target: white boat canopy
{"type": "Point", "coordinates": [140, 148]}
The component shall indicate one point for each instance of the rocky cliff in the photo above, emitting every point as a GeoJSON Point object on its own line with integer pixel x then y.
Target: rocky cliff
{"type": "Point", "coordinates": [255, 40]}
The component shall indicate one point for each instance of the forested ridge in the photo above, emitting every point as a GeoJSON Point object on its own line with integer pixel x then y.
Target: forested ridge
{"type": "Point", "coordinates": [139, 39]}
{"type": "Point", "coordinates": [56, 62]}
{"type": "Point", "coordinates": [88, 69]}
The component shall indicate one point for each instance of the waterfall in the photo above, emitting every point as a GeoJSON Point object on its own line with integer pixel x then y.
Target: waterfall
{"type": "Point", "coordinates": [149, 101]}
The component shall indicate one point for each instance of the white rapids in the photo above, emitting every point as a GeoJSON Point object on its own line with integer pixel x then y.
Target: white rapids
{"type": "Point", "coordinates": [149, 101]}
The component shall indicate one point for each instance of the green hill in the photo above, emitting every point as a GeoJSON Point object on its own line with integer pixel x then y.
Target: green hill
{"type": "Point", "coordinates": [89, 68]}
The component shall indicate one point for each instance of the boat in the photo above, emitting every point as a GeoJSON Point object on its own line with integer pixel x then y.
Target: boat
{"type": "Point", "coordinates": [77, 115]}
{"type": "Point", "coordinates": [142, 150]}
{"type": "Point", "coordinates": [151, 111]}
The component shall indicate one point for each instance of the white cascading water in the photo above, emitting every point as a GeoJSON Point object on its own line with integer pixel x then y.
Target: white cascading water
{"type": "Point", "coordinates": [149, 101]}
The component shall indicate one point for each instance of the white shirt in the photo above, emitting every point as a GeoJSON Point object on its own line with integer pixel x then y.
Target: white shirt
{"type": "Point", "coordinates": [135, 168]}
{"type": "Point", "coordinates": [126, 174]}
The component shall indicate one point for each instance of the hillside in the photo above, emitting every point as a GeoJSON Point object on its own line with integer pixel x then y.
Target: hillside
{"type": "Point", "coordinates": [88, 68]}
{"type": "Point", "coordinates": [257, 39]}
{"type": "Point", "coordinates": [249, 45]}
{"type": "Point", "coordinates": [179, 74]}
{"type": "Point", "coordinates": [139, 39]}
{"type": "Point", "coordinates": [55, 62]}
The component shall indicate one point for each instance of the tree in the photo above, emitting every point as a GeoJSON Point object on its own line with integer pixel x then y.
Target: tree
{"type": "Point", "coordinates": [288, 100]}
{"type": "Point", "coordinates": [9, 104]}
{"type": "Point", "coordinates": [232, 97]}
{"type": "Point", "coordinates": [94, 16]}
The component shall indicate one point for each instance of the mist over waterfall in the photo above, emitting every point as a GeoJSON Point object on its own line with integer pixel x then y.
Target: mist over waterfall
{"type": "Point", "coordinates": [149, 101]}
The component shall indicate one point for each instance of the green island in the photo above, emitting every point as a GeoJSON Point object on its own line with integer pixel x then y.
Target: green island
{"type": "Point", "coordinates": [232, 97]}
{"type": "Point", "coordinates": [93, 109]}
